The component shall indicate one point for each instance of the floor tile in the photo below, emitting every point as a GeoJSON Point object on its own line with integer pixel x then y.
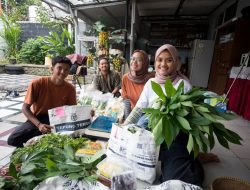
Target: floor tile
{"type": "Point", "coordinates": [5, 138]}
{"type": "Point", "coordinates": [246, 162]}
{"type": "Point", "coordinates": [222, 151]}
{"type": "Point", "coordinates": [18, 106]}
{"type": "Point", "coordinates": [6, 112]}
{"type": "Point", "coordinates": [228, 166]}
{"type": "Point", "coordinates": [18, 118]}
{"type": "Point", "coordinates": [242, 151]}
{"type": "Point", "coordinates": [7, 103]}
{"type": "Point", "coordinates": [4, 126]}
{"type": "Point", "coordinates": [21, 99]}
{"type": "Point", "coordinates": [4, 161]}
{"type": "Point", "coordinates": [4, 151]}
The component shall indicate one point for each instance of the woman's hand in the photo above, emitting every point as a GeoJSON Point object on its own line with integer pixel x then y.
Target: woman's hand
{"type": "Point", "coordinates": [44, 128]}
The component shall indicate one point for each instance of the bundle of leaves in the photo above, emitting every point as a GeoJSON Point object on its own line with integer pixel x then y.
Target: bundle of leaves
{"type": "Point", "coordinates": [31, 51]}
{"type": "Point", "coordinates": [175, 111]}
{"type": "Point", "coordinates": [53, 155]}
{"type": "Point", "coordinates": [47, 142]}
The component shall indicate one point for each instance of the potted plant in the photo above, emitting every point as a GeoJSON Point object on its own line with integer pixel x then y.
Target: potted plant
{"type": "Point", "coordinates": [175, 111]}
{"type": "Point", "coordinates": [11, 35]}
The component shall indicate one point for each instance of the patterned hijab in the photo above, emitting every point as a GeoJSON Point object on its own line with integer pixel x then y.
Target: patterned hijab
{"type": "Point", "coordinates": [143, 75]}
{"type": "Point", "coordinates": [175, 76]}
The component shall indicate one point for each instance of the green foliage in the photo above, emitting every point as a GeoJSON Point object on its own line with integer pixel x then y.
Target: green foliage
{"type": "Point", "coordinates": [59, 44]}
{"type": "Point", "coordinates": [47, 18]}
{"type": "Point", "coordinates": [18, 10]}
{"type": "Point", "coordinates": [31, 51]}
{"type": "Point", "coordinates": [176, 111]}
{"type": "Point", "coordinates": [11, 35]}
{"type": "Point", "coordinates": [52, 155]}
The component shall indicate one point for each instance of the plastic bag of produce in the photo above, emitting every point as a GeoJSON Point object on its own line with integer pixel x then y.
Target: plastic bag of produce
{"type": "Point", "coordinates": [137, 147]}
{"type": "Point", "coordinates": [115, 109]}
{"type": "Point", "coordinates": [112, 166]}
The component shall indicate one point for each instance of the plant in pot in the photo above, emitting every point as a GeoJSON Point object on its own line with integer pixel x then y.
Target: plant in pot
{"type": "Point", "coordinates": [11, 35]}
{"type": "Point", "coordinates": [175, 111]}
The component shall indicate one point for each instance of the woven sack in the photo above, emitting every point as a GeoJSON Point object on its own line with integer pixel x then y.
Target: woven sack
{"type": "Point", "coordinates": [229, 183]}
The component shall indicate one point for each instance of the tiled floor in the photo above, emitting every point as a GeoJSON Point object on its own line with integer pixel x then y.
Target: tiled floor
{"type": "Point", "coordinates": [234, 162]}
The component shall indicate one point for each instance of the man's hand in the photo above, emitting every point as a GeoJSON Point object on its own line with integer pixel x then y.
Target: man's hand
{"type": "Point", "coordinates": [92, 113]}
{"type": "Point", "coordinates": [44, 128]}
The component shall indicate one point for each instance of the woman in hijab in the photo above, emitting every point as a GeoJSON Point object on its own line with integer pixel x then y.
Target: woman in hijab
{"type": "Point", "coordinates": [107, 80]}
{"type": "Point", "coordinates": [176, 162]}
{"type": "Point", "coordinates": [134, 81]}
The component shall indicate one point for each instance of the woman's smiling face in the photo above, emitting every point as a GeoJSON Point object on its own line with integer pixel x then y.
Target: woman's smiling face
{"type": "Point", "coordinates": [164, 64]}
{"type": "Point", "coordinates": [136, 61]}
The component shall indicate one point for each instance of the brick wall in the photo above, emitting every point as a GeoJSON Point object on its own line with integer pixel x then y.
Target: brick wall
{"type": "Point", "coordinates": [40, 70]}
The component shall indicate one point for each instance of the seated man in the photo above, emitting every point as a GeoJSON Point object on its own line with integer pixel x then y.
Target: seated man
{"type": "Point", "coordinates": [43, 94]}
{"type": "Point", "coordinates": [107, 80]}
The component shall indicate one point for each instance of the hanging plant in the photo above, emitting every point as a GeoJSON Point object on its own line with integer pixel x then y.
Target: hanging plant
{"type": "Point", "coordinates": [175, 111]}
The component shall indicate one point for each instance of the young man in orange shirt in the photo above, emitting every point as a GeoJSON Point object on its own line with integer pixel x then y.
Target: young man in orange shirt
{"type": "Point", "coordinates": [43, 94]}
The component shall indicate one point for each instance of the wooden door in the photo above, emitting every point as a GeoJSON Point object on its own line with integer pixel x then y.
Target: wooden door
{"type": "Point", "coordinates": [220, 67]}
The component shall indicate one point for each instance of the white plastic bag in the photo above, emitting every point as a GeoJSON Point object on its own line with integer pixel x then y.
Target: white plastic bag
{"type": "Point", "coordinates": [63, 183]}
{"type": "Point", "coordinates": [138, 147]}
{"type": "Point", "coordinates": [174, 185]}
{"type": "Point", "coordinates": [70, 119]}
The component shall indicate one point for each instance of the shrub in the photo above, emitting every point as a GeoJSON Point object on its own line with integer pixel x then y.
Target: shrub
{"type": "Point", "coordinates": [31, 51]}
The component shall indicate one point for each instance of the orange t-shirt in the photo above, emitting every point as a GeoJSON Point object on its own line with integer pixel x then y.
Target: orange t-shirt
{"type": "Point", "coordinates": [43, 95]}
{"type": "Point", "coordinates": [131, 90]}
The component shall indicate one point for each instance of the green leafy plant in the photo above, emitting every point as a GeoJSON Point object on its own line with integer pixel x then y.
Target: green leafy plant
{"type": "Point", "coordinates": [175, 111]}
{"type": "Point", "coordinates": [31, 51]}
{"type": "Point", "coordinates": [11, 35]}
{"type": "Point", "coordinates": [59, 44]}
{"type": "Point", "coordinates": [52, 155]}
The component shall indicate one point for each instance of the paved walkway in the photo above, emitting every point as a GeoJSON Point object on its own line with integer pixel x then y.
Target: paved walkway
{"type": "Point", "coordinates": [234, 162]}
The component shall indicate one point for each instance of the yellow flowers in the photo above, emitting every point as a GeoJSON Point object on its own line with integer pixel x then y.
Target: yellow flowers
{"type": "Point", "coordinates": [90, 60]}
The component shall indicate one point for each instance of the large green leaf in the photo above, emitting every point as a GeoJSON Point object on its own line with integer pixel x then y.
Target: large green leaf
{"type": "Point", "coordinates": [158, 90]}
{"type": "Point", "coordinates": [183, 122]}
{"type": "Point", "coordinates": [12, 170]}
{"type": "Point", "coordinates": [187, 103]}
{"type": "Point", "coordinates": [202, 109]}
{"type": "Point", "coordinates": [170, 90]}
{"type": "Point", "coordinates": [205, 141]}
{"type": "Point", "coordinates": [198, 120]}
{"type": "Point", "coordinates": [190, 144]}
{"type": "Point", "coordinates": [167, 131]}
{"type": "Point", "coordinates": [233, 137]}
{"type": "Point", "coordinates": [182, 111]}
{"type": "Point", "coordinates": [157, 132]}
{"type": "Point", "coordinates": [204, 129]}
{"type": "Point", "coordinates": [222, 140]}
{"type": "Point", "coordinates": [174, 106]}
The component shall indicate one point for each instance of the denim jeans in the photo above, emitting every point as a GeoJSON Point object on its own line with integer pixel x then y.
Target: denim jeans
{"type": "Point", "coordinates": [143, 121]}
